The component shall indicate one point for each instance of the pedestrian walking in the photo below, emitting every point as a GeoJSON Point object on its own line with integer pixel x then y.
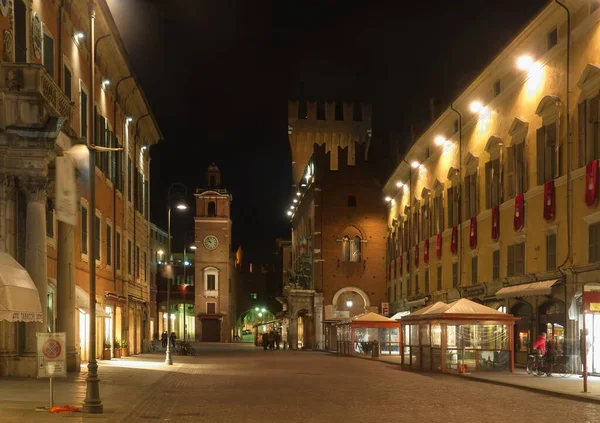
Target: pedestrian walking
{"type": "Point", "coordinates": [173, 338]}
{"type": "Point", "coordinates": [265, 340]}
{"type": "Point", "coordinates": [163, 339]}
{"type": "Point", "coordinates": [271, 340]}
{"type": "Point", "coordinates": [277, 340]}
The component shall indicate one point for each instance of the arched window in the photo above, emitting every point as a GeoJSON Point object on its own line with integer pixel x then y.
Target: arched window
{"type": "Point", "coordinates": [212, 209]}
{"type": "Point", "coordinates": [356, 249]}
{"type": "Point", "coordinates": [345, 248]}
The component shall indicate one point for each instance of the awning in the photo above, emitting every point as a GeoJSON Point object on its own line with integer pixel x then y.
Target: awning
{"type": "Point", "coordinates": [82, 302]}
{"type": "Point", "coordinates": [416, 303]}
{"type": "Point", "coordinates": [19, 297]}
{"type": "Point", "coordinates": [527, 289]}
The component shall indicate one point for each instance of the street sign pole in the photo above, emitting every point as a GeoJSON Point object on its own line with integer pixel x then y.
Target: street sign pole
{"type": "Point", "coordinates": [51, 359]}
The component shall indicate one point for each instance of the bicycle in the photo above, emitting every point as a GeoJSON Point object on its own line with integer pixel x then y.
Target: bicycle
{"type": "Point", "coordinates": [537, 365]}
{"type": "Point", "coordinates": [152, 348]}
{"type": "Point", "coordinates": [185, 348]}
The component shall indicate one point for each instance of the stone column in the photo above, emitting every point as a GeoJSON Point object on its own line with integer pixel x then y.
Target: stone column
{"type": "Point", "coordinates": [293, 330]}
{"type": "Point", "coordinates": [66, 292]}
{"type": "Point", "coordinates": [318, 322]}
{"type": "Point", "coordinates": [36, 258]}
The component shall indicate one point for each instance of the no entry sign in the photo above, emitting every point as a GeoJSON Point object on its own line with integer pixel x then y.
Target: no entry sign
{"type": "Point", "coordinates": [51, 354]}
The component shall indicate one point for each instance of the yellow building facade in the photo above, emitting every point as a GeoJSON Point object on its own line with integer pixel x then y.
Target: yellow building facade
{"type": "Point", "coordinates": [497, 200]}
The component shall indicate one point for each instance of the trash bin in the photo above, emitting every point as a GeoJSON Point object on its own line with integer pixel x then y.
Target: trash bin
{"type": "Point", "coordinates": [375, 349]}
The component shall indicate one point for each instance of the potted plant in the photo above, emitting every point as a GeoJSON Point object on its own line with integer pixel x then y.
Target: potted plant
{"type": "Point", "coordinates": [124, 348]}
{"type": "Point", "coordinates": [106, 352]}
{"type": "Point", "coordinates": [117, 349]}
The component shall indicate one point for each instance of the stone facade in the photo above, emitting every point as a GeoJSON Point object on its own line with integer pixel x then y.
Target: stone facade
{"type": "Point", "coordinates": [338, 225]}
{"type": "Point", "coordinates": [45, 84]}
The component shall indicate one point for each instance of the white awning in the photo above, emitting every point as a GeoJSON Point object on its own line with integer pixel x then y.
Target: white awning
{"type": "Point", "coordinates": [415, 303]}
{"type": "Point", "coordinates": [82, 302]}
{"type": "Point", "coordinates": [19, 297]}
{"type": "Point", "coordinates": [527, 289]}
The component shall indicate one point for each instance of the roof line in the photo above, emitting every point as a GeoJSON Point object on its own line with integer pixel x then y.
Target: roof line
{"type": "Point", "coordinates": [119, 41]}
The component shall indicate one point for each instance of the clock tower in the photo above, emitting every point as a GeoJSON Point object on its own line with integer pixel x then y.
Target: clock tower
{"type": "Point", "coordinates": [215, 302]}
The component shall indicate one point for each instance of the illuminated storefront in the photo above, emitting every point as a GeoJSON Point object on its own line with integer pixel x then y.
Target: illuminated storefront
{"type": "Point", "coordinates": [458, 337]}
{"type": "Point", "coordinates": [356, 336]}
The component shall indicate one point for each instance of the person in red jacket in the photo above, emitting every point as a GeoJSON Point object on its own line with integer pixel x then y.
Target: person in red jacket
{"type": "Point", "coordinates": [540, 343]}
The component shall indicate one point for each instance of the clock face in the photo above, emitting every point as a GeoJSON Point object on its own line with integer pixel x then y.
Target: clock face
{"type": "Point", "coordinates": [211, 242]}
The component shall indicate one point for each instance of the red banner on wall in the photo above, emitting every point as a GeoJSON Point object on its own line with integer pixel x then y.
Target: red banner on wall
{"type": "Point", "coordinates": [454, 240]}
{"type": "Point", "coordinates": [495, 223]}
{"type": "Point", "coordinates": [591, 183]}
{"type": "Point", "coordinates": [473, 233]}
{"type": "Point", "coordinates": [426, 251]}
{"type": "Point", "coordinates": [518, 221]}
{"type": "Point", "coordinates": [549, 201]}
{"type": "Point", "coordinates": [438, 246]}
{"type": "Point", "coordinates": [416, 255]}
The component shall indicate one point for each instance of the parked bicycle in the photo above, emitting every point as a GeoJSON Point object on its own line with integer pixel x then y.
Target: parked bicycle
{"type": "Point", "coordinates": [185, 348]}
{"type": "Point", "coordinates": [539, 365]}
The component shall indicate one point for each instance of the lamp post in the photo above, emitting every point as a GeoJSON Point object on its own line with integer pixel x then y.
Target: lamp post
{"type": "Point", "coordinates": [192, 247]}
{"type": "Point", "coordinates": [180, 206]}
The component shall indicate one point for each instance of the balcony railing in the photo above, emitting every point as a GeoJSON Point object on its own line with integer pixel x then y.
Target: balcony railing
{"type": "Point", "coordinates": [32, 78]}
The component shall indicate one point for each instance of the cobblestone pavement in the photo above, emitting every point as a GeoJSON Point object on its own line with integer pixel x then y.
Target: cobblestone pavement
{"type": "Point", "coordinates": [243, 384]}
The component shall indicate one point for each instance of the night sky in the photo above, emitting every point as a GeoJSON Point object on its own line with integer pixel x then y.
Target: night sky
{"type": "Point", "coordinates": [218, 75]}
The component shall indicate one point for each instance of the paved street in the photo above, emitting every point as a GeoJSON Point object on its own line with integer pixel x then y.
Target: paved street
{"type": "Point", "coordinates": [238, 383]}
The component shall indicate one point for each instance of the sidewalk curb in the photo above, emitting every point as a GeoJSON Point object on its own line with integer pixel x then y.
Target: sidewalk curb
{"type": "Point", "coordinates": [574, 397]}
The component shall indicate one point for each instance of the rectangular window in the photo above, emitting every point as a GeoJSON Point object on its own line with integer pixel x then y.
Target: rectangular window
{"type": "Point", "coordinates": [136, 264]}
{"type": "Point", "coordinates": [211, 308]}
{"type": "Point", "coordinates": [492, 184]}
{"type": "Point", "coordinates": [551, 252]}
{"type": "Point", "coordinates": [425, 220]}
{"type": "Point", "coordinates": [97, 235]}
{"type": "Point", "coordinates": [439, 278]}
{"type": "Point", "coordinates": [515, 169]}
{"type": "Point", "coordinates": [118, 251]}
{"type": "Point", "coordinates": [516, 260]}
{"type": "Point", "coordinates": [552, 38]}
{"type": "Point", "coordinates": [321, 110]}
{"type": "Point", "coordinates": [453, 207]}
{"type": "Point", "coordinates": [129, 179]}
{"type": "Point", "coordinates": [302, 111]}
{"type": "Point", "coordinates": [408, 287]}
{"type": "Point", "coordinates": [253, 296]}
{"type": "Point", "coordinates": [474, 268]}
{"type": "Point", "coordinates": [427, 281]}
{"type": "Point", "coordinates": [594, 243]}
{"type": "Point", "coordinates": [496, 264]}
{"type": "Point", "coordinates": [83, 110]}
{"type": "Point", "coordinates": [417, 289]}
{"type": "Point", "coordinates": [351, 201]}
{"type": "Point", "coordinates": [211, 282]}
{"type": "Point", "coordinates": [48, 55]}
{"type": "Point", "coordinates": [471, 194]}
{"type": "Point", "coordinates": [108, 245]}
{"type": "Point", "coordinates": [357, 115]}
{"type": "Point", "coordinates": [339, 111]}
{"type": "Point", "coordinates": [144, 263]}
{"type": "Point", "coordinates": [454, 274]}
{"type": "Point", "coordinates": [84, 230]}
{"type": "Point", "coordinates": [497, 88]}
{"type": "Point", "coordinates": [49, 222]}
{"type": "Point", "coordinates": [547, 153]}
{"type": "Point", "coordinates": [438, 214]}
{"type": "Point", "coordinates": [588, 130]}
{"type": "Point", "coordinates": [129, 258]}
{"type": "Point", "coordinates": [415, 225]}
{"type": "Point", "coordinates": [68, 82]}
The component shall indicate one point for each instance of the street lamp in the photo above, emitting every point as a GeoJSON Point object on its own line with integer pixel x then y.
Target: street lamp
{"type": "Point", "coordinates": [180, 206]}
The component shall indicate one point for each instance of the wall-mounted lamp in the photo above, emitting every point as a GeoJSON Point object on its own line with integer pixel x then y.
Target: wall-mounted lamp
{"type": "Point", "coordinates": [476, 106]}
{"type": "Point", "coordinates": [388, 199]}
{"type": "Point", "coordinates": [439, 140]}
{"type": "Point", "coordinates": [415, 164]}
{"type": "Point", "coordinates": [399, 184]}
{"type": "Point", "coordinates": [105, 83]}
{"type": "Point", "coordinates": [524, 62]}
{"type": "Point", "coordinates": [289, 213]}
{"type": "Point", "coordinates": [79, 35]}
{"type": "Point", "coordinates": [129, 119]}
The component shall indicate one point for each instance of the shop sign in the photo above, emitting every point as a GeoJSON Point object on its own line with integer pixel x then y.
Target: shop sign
{"type": "Point", "coordinates": [385, 309]}
{"type": "Point", "coordinates": [591, 298]}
